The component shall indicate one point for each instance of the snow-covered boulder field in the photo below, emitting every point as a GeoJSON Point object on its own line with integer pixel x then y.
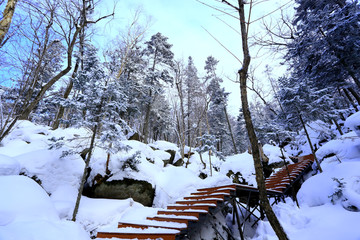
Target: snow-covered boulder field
{"type": "Point", "coordinates": [41, 207]}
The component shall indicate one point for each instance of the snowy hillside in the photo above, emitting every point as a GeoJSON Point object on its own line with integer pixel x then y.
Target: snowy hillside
{"type": "Point", "coordinates": [329, 201]}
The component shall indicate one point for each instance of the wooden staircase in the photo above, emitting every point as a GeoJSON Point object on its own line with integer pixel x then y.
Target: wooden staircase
{"type": "Point", "coordinates": [169, 224]}
{"type": "Point", "coordinates": [287, 175]}
{"type": "Point", "coordinates": [172, 223]}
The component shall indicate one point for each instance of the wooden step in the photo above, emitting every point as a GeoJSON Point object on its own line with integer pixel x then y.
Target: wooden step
{"type": "Point", "coordinates": [153, 224]}
{"type": "Point", "coordinates": [200, 197]}
{"type": "Point", "coordinates": [138, 236]}
{"type": "Point", "coordinates": [178, 219]}
{"type": "Point", "coordinates": [189, 207]}
{"type": "Point", "coordinates": [220, 191]}
{"type": "Point", "coordinates": [232, 187]}
{"type": "Point", "coordinates": [183, 213]}
{"type": "Point", "coordinates": [194, 202]}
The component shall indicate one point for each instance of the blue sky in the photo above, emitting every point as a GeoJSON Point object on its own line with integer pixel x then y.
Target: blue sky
{"type": "Point", "coordinates": [182, 21]}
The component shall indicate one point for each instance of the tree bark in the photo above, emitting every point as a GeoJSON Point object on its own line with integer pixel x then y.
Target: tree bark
{"type": "Point", "coordinates": [83, 179]}
{"type": "Point", "coordinates": [350, 99]}
{"type": "Point", "coordinates": [230, 130]}
{"type": "Point", "coordinates": [309, 140]}
{"type": "Point", "coordinates": [26, 112]}
{"type": "Point", "coordinates": [338, 127]}
{"type": "Point", "coordinates": [355, 95]}
{"type": "Point", "coordinates": [5, 22]}
{"type": "Point", "coordinates": [243, 72]}
{"type": "Point", "coordinates": [146, 123]}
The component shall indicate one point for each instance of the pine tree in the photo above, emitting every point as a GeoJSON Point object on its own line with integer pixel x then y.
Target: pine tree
{"type": "Point", "coordinates": [159, 60]}
{"type": "Point", "coordinates": [326, 36]}
{"type": "Point", "coordinates": [218, 103]}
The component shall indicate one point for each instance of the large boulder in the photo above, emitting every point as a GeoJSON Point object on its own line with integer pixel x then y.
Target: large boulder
{"type": "Point", "coordinates": [140, 191]}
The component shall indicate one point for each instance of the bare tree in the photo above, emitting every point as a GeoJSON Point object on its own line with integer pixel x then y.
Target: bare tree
{"type": "Point", "coordinates": [243, 74]}
{"type": "Point", "coordinates": [63, 20]}
{"type": "Point", "coordinates": [5, 22]}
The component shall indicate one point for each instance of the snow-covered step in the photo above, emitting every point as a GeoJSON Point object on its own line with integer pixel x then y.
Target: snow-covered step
{"type": "Point", "coordinates": [226, 187]}
{"type": "Point", "coordinates": [202, 201]}
{"type": "Point", "coordinates": [220, 191]}
{"type": "Point", "coordinates": [174, 218]}
{"type": "Point", "coordinates": [140, 234]}
{"type": "Point", "coordinates": [191, 207]}
{"type": "Point", "coordinates": [195, 213]}
{"type": "Point", "coordinates": [199, 197]}
{"type": "Point", "coordinates": [152, 223]}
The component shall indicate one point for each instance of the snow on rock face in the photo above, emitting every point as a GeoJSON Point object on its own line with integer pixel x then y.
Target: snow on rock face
{"type": "Point", "coordinates": [52, 169]}
{"type": "Point", "coordinates": [273, 153]}
{"type": "Point", "coordinates": [26, 212]}
{"type": "Point", "coordinates": [353, 122]}
{"type": "Point", "coordinates": [163, 145]}
{"type": "Point", "coordinates": [345, 147]}
{"type": "Point", "coordinates": [320, 189]}
{"type": "Point", "coordinates": [242, 163]}
{"type": "Point", "coordinates": [9, 166]}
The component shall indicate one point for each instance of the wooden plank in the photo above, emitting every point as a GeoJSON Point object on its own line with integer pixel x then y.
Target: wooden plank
{"type": "Point", "coordinates": [220, 191]}
{"type": "Point", "coordinates": [144, 226]}
{"type": "Point", "coordinates": [170, 219]}
{"type": "Point", "coordinates": [189, 207]}
{"type": "Point", "coordinates": [139, 236]}
{"type": "Point", "coordinates": [232, 186]}
{"type": "Point", "coordinates": [222, 196]}
{"type": "Point", "coordinates": [193, 202]}
{"type": "Point", "coordinates": [181, 213]}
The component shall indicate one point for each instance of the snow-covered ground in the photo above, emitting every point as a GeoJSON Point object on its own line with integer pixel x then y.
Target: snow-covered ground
{"type": "Point", "coordinates": [329, 201]}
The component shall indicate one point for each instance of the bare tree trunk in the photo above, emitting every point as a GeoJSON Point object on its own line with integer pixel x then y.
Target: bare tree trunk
{"type": "Point", "coordinates": [243, 73]}
{"type": "Point", "coordinates": [230, 130]}
{"type": "Point", "coordinates": [355, 94]}
{"type": "Point", "coordinates": [146, 123]}
{"type": "Point", "coordinates": [309, 140]}
{"type": "Point", "coordinates": [5, 22]}
{"type": "Point", "coordinates": [338, 127]}
{"type": "Point", "coordinates": [208, 131]}
{"type": "Point", "coordinates": [83, 179]}
{"type": "Point", "coordinates": [26, 112]}
{"type": "Point", "coordinates": [350, 99]}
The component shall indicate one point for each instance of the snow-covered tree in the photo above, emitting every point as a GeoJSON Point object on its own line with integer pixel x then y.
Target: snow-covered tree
{"type": "Point", "coordinates": [196, 103]}
{"type": "Point", "coordinates": [159, 61]}
{"type": "Point", "coordinates": [326, 49]}
{"type": "Point", "coordinates": [216, 114]}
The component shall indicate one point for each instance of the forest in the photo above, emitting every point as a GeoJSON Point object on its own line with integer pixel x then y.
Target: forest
{"type": "Point", "coordinates": [92, 101]}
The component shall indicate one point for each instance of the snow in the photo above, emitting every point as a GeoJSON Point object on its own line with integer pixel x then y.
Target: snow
{"type": "Point", "coordinates": [26, 212]}
{"type": "Point", "coordinates": [9, 166]}
{"type": "Point", "coordinates": [329, 201]}
{"type": "Point", "coordinates": [353, 122]}
{"type": "Point", "coordinates": [242, 163]}
{"type": "Point", "coordinates": [163, 145]}
{"type": "Point", "coordinates": [273, 153]}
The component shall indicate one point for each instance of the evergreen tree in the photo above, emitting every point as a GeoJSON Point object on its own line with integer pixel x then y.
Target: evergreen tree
{"type": "Point", "coordinates": [326, 48]}
{"type": "Point", "coordinates": [218, 103]}
{"type": "Point", "coordinates": [195, 103]}
{"type": "Point", "coordinates": [159, 61]}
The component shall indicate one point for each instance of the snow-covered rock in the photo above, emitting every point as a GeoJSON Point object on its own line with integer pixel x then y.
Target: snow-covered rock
{"type": "Point", "coordinates": [353, 122]}
{"type": "Point", "coordinates": [26, 212]}
{"type": "Point", "coordinates": [9, 166]}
